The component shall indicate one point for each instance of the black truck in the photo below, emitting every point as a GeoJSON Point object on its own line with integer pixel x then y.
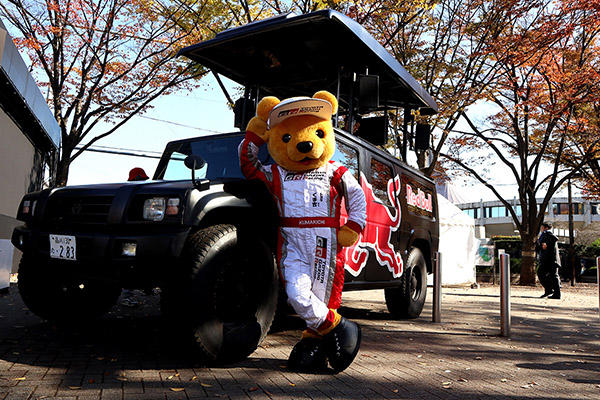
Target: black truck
{"type": "Point", "coordinates": [187, 231]}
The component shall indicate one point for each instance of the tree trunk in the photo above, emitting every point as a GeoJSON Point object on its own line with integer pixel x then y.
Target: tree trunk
{"type": "Point", "coordinates": [62, 168]}
{"type": "Point", "coordinates": [528, 262]}
{"type": "Point", "coordinates": [62, 173]}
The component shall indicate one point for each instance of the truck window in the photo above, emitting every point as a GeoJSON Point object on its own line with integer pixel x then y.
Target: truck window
{"type": "Point", "coordinates": [348, 157]}
{"type": "Point", "coordinates": [380, 176]}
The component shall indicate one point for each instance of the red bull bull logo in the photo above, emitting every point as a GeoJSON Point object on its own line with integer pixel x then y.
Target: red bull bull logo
{"type": "Point", "coordinates": [377, 235]}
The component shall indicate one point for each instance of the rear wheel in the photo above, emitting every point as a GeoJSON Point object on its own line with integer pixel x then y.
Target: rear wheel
{"type": "Point", "coordinates": [407, 301]}
{"type": "Point", "coordinates": [226, 292]}
{"type": "Point", "coordinates": [61, 298]}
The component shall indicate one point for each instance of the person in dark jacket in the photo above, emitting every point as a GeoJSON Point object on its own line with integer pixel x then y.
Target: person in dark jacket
{"type": "Point", "coordinates": [549, 262]}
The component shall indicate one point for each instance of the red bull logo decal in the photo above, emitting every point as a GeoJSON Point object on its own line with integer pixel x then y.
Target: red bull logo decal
{"type": "Point", "coordinates": [377, 235]}
{"type": "Point", "coordinates": [420, 199]}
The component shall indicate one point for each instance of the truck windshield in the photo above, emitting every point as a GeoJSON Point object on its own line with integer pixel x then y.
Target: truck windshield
{"type": "Point", "coordinates": [219, 153]}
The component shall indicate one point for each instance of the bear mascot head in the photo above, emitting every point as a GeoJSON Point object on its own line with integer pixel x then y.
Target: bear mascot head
{"type": "Point", "coordinates": [298, 131]}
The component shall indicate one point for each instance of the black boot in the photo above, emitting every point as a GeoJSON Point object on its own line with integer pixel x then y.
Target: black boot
{"type": "Point", "coordinates": [546, 293]}
{"type": "Point", "coordinates": [342, 344]}
{"type": "Point", "coordinates": [308, 355]}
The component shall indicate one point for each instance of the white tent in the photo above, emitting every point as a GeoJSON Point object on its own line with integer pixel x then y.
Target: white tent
{"type": "Point", "coordinates": [457, 244]}
{"type": "Point", "coordinates": [6, 254]}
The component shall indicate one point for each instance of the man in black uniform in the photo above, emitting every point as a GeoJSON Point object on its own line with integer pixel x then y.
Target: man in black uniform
{"type": "Point", "coordinates": [549, 260]}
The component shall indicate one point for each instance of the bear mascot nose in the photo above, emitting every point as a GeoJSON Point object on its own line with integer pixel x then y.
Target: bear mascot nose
{"type": "Point", "coordinates": [304, 147]}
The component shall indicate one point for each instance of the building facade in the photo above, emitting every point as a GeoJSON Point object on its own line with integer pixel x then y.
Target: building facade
{"type": "Point", "coordinates": [493, 218]}
{"type": "Point", "coordinates": [29, 141]}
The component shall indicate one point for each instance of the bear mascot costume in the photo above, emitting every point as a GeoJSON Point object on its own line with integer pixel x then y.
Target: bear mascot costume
{"type": "Point", "coordinates": [308, 188]}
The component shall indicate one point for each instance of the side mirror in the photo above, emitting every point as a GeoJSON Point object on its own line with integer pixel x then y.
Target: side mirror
{"type": "Point", "coordinates": [422, 137]}
{"type": "Point", "coordinates": [194, 162]}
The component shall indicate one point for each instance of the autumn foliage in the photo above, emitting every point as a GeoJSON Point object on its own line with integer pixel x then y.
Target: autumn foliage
{"type": "Point", "coordinates": [101, 62]}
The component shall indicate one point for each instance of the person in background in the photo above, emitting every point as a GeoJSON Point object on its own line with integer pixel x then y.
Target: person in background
{"type": "Point", "coordinates": [129, 298]}
{"type": "Point", "coordinates": [549, 262]}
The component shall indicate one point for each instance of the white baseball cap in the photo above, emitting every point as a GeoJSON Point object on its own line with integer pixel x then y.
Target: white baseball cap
{"type": "Point", "coordinates": [296, 106]}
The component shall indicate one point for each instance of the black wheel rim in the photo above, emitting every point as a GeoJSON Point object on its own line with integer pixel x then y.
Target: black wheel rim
{"type": "Point", "coordinates": [415, 283]}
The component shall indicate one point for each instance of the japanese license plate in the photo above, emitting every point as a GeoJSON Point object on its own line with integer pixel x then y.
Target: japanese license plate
{"type": "Point", "coordinates": [63, 247]}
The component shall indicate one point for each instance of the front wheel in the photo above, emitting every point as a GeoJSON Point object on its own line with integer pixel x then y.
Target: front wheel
{"type": "Point", "coordinates": [226, 293]}
{"type": "Point", "coordinates": [407, 301]}
{"type": "Point", "coordinates": [58, 297]}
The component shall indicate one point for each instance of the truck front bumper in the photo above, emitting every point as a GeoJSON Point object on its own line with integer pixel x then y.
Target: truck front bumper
{"type": "Point", "coordinates": [103, 254]}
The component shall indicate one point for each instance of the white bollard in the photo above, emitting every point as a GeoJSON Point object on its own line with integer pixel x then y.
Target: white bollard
{"type": "Point", "coordinates": [437, 288]}
{"type": "Point", "coordinates": [598, 281]}
{"type": "Point", "coordinates": [504, 294]}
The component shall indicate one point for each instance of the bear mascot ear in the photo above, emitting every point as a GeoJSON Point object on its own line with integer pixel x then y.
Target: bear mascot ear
{"type": "Point", "coordinates": [325, 95]}
{"type": "Point", "coordinates": [258, 124]}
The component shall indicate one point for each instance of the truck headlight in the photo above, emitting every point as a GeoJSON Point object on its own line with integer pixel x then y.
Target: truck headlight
{"type": "Point", "coordinates": [173, 206]}
{"type": "Point", "coordinates": [154, 209]}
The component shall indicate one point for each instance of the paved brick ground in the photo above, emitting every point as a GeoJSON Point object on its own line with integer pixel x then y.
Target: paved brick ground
{"type": "Point", "coordinates": [554, 353]}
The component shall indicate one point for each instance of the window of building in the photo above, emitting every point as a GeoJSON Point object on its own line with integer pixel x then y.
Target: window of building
{"type": "Point", "coordinates": [472, 212]}
{"type": "Point", "coordinates": [494, 212]}
{"type": "Point", "coordinates": [595, 207]}
{"type": "Point", "coordinates": [563, 208]}
{"type": "Point", "coordinates": [348, 157]}
{"type": "Point", "coordinates": [381, 174]}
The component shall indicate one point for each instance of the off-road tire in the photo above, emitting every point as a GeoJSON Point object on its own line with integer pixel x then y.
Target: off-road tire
{"type": "Point", "coordinates": [59, 298]}
{"type": "Point", "coordinates": [224, 293]}
{"type": "Point", "coordinates": [407, 300]}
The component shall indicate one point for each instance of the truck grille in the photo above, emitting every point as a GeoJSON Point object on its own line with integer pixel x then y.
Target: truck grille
{"type": "Point", "coordinates": [70, 211]}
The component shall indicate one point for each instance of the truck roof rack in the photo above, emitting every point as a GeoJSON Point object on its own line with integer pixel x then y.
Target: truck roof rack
{"type": "Point", "coordinates": [290, 55]}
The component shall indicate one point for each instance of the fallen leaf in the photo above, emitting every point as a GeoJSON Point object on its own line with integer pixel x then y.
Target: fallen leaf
{"type": "Point", "coordinates": [20, 379]}
{"type": "Point", "coordinates": [177, 389]}
{"type": "Point", "coordinates": [253, 389]}
{"type": "Point", "coordinates": [446, 371]}
{"type": "Point", "coordinates": [503, 380]}
{"type": "Point", "coordinates": [419, 356]}
{"type": "Point", "coordinates": [292, 384]}
{"type": "Point", "coordinates": [194, 378]}
{"type": "Point", "coordinates": [462, 380]}
{"type": "Point", "coordinates": [170, 377]}
{"type": "Point", "coordinates": [526, 386]}
{"type": "Point", "coordinates": [395, 390]}
{"type": "Point", "coordinates": [478, 358]}
{"type": "Point", "coordinates": [205, 384]}
{"type": "Point", "coordinates": [74, 387]}
{"type": "Point", "coordinates": [446, 383]}
{"type": "Point", "coordinates": [177, 374]}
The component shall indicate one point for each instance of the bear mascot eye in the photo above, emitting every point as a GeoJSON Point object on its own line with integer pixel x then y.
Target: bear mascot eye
{"type": "Point", "coordinates": [286, 138]}
{"type": "Point", "coordinates": [320, 133]}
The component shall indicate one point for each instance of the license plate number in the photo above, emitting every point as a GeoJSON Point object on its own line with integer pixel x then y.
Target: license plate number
{"type": "Point", "coordinates": [63, 247]}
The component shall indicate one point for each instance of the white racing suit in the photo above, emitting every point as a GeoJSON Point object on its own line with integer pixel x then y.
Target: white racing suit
{"type": "Point", "coordinates": [310, 260]}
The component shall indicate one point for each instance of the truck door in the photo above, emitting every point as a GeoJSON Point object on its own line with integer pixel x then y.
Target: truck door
{"type": "Point", "coordinates": [383, 221]}
{"type": "Point", "coordinates": [348, 155]}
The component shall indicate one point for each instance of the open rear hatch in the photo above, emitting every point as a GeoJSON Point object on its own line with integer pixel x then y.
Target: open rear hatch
{"type": "Point", "coordinates": [291, 55]}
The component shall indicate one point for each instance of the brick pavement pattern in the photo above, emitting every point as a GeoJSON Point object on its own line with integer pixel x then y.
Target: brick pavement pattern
{"type": "Point", "coordinates": [554, 353]}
